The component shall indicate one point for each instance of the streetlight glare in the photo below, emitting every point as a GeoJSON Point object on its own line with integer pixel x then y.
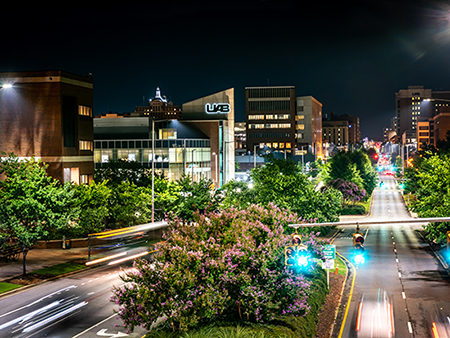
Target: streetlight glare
{"type": "Point", "coordinates": [7, 85]}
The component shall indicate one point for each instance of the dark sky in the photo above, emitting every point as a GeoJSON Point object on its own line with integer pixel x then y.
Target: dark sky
{"type": "Point", "coordinates": [351, 56]}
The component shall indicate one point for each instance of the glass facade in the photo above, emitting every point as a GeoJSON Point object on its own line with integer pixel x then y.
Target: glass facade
{"type": "Point", "coordinates": [173, 157]}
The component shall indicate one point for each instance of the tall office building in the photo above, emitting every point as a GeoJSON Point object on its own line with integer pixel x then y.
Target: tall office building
{"type": "Point", "coordinates": [278, 120]}
{"type": "Point", "coordinates": [48, 115]}
{"type": "Point", "coordinates": [341, 129]}
{"type": "Point", "coordinates": [413, 104]}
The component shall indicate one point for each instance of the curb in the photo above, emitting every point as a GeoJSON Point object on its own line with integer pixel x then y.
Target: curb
{"type": "Point", "coordinates": [29, 286]}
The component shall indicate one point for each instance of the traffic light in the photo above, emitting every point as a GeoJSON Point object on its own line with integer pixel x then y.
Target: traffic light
{"type": "Point", "coordinates": [448, 239]}
{"type": "Point", "coordinates": [375, 156]}
{"type": "Point", "coordinates": [358, 247]}
{"type": "Point", "coordinates": [303, 256]}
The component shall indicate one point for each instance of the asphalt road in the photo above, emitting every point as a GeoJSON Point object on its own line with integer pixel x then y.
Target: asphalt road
{"type": "Point", "coordinates": [76, 306]}
{"type": "Point", "coordinates": [399, 261]}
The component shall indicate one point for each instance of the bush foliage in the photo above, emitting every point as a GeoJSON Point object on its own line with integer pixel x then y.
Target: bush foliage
{"type": "Point", "coordinates": [227, 265]}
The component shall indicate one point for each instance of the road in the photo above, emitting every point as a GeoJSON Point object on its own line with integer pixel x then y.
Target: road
{"type": "Point", "coordinates": [399, 261]}
{"type": "Point", "coordinates": [76, 306]}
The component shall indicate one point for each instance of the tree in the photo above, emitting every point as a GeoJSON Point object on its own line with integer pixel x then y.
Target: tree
{"type": "Point", "coordinates": [32, 204]}
{"type": "Point", "coordinates": [92, 201]}
{"type": "Point", "coordinates": [227, 265]}
{"type": "Point", "coordinates": [282, 183]}
{"type": "Point", "coordinates": [193, 196]}
{"type": "Point", "coordinates": [365, 170]}
{"type": "Point", "coordinates": [350, 191]}
{"type": "Point", "coordinates": [342, 166]}
{"type": "Point", "coordinates": [122, 170]}
{"type": "Point", "coordinates": [128, 205]}
{"type": "Point", "coordinates": [433, 194]}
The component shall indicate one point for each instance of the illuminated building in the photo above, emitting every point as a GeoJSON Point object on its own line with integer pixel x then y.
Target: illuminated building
{"type": "Point", "coordinates": [48, 115]}
{"type": "Point", "coordinates": [276, 119]}
{"type": "Point", "coordinates": [201, 143]}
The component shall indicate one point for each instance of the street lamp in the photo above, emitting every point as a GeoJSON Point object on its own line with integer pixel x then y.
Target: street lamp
{"type": "Point", "coordinates": [193, 150]}
{"type": "Point", "coordinates": [254, 155]}
{"type": "Point", "coordinates": [153, 167]}
{"type": "Point", "coordinates": [217, 181]}
{"type": "Point", "coordinates": [6, 86]}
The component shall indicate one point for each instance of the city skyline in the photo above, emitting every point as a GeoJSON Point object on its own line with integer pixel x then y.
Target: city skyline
{"type": "Point", "coordinates": [353, 62]}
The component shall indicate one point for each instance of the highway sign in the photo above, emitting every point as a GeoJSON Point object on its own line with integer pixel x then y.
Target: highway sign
{"type": "Point", "coordinates": [329, 252]}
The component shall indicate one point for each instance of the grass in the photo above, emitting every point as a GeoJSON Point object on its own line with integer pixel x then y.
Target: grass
{"type": "Point", "coordinates": [359, 208]}
{"type": "Point", "coordinates": [5, 287]}
{"type": "Point", "coordinates": [342, 267]}
{"type": "Point", "coordinates": [60, 269]}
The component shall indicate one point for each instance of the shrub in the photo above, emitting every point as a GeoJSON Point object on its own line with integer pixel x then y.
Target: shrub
{"type": "Point", "coordinates": [227, 265]}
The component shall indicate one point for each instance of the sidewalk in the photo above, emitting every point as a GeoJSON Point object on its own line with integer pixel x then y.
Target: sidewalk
{"type": "Point", "coordinates": [40, 258]}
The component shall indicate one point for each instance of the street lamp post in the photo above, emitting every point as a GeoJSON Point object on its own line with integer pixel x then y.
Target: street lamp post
{"type": "Point", "coordinates": [193, 150]}
{"type": "Point", "coordinates": [153, 171]}
{"type": "Point", "coordinates": [217, 182]}
{"type": "Point", "coordinates": [254, 155]}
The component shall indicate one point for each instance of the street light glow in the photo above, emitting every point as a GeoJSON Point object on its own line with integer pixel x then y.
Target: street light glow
{"type": "Point", "coordinates": [7, 86]}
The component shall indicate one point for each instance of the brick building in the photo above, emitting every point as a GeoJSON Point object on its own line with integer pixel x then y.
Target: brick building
{"type": "Point", "coordinates": [48, 115]}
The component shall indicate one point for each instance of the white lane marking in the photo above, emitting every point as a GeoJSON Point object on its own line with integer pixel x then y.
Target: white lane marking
{"type": "Point", "coordinates": [399, 275]}
{"type": "Point", "coordinates": [395, 250]}
{"type": "Point", "coordinates": [410, 327]}
{"type": "Point", "coordinates": [37, 301]}
{"type": "Point", "coordinates": [367, 231]}
{"type": "Point", "coordinates": [88, 329]}
{"type": "Point", "coordinates": [396, 260]}
{"type": "Point", "coordinates": [393, 243]}
{"type": "Point", "coordinates": [403, 295]}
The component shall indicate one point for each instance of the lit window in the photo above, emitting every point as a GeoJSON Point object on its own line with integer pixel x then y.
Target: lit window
{"type": "Point", "coordinates": [86, 145]}
{"type": "Point", "coordinates": [84, 110]}
{"type": "Point", "coordinates": [300, 126]}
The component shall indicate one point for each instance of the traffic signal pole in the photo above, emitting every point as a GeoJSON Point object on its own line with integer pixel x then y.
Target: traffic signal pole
{"type": "Point", "coordinates": [386, 221]}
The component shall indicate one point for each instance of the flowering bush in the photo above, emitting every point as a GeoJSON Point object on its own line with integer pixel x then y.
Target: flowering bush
{"type": "Point", "coordinates": [227, 265]}
{"type": "Point", "coordinates": [350, 191]}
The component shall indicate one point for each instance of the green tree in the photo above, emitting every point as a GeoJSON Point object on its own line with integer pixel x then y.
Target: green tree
{"type": "Point", "coordinates": [432, 190]}
{"type": "Point", "coordinates": [282, 183]}
{"type": "Point", "coordinates": [128, 205]}
{"type": "Point", "coordinates": [365, 170]}
{"type": "Point", "coordinates": [122, 170]}
{"type": "Point", "coordinates": [167, 195]}
{"type": "Point", "coordinates": [32, 204]}
{"type": "Point", "coordinates": [194, 196]}
{"type": "Point", "coordinates": [92, 201]}
{"type": "Point", "coordinates": [342, 166]}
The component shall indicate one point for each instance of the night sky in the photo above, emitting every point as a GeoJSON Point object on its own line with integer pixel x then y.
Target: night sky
{"type": "Point", "coordinates": [349, 56]}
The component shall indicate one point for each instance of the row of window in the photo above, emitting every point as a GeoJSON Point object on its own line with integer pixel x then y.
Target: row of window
{"type": "Point", "coordinates": [270, 126]}
{"type": "Point", "coordinates": [125, 144]}
{"type": "Point", "coordinates": [270, 117]}
{"type": "Point", "coordinates": [269, 105]}
{"type": "Point", "coordinates": [276, 145]}
{"type": "Point", "coordinates": [269, 92]}
{"type": "Point", "coordinates": [269, 135]}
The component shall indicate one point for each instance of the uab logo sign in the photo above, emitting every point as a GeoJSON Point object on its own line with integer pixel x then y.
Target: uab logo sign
{"type": "Point", "coordinates": [217, 108]}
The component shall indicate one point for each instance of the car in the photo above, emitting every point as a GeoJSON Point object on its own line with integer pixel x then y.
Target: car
{"type": "Point", "coordinates": [440, 321]}
{"type": "Point", "coordinates": [375, 316]}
